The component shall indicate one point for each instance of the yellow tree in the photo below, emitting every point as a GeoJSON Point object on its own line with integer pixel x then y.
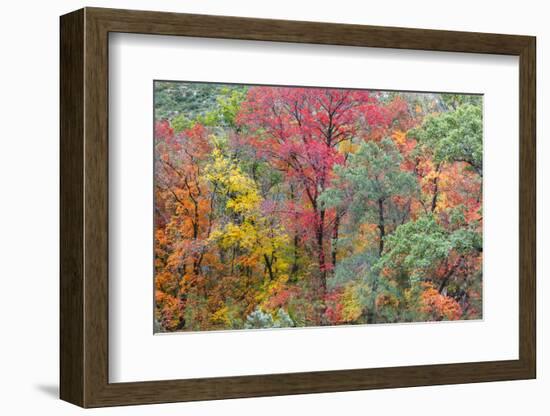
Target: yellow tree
{"type": "Point", "coordinates": [250, 239]}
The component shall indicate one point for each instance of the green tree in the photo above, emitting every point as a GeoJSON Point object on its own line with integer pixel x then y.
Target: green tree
{"type": "Point", "coordinates": [428, 260]}
{"type": "Point", "coordinates": [369, 184]}
{"type": "Point", "coordinates": [371, 187]}
{"type": "Point", "coordinates": [456, 136]}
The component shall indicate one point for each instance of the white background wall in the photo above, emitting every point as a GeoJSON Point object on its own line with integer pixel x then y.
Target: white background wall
{"type": "Point", "coordinates": [29, 206]}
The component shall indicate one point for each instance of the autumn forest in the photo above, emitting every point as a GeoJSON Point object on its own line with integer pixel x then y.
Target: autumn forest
{"type": "Point", "coordinates": [292, 207]}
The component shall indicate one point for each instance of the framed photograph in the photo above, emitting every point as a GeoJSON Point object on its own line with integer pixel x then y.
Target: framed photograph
{"type": "Point", "coordinates": [257, 207]}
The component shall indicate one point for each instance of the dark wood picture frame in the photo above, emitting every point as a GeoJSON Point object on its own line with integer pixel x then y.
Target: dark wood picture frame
{"type": "Point", "coordinates": [84, 207]}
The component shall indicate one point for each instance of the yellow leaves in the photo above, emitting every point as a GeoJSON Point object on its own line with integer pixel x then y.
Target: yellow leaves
{"type": "Point", "coordinates": [245, 235]}
{"type": "Point", "coordinates": [351, 304]}
{"type": "Point", "coordinates": [216, 169]}
{"type": "Point", "coordinates": [270, 289]}
{"type": "Point", "coordinates": [430, 176]}
{"type": "Point", "coordinates": [399, 137]}
{"type": "Point", "coordinates": [221, 317]}
{"type": "Point", "coordinates": [244, 196]}
{"type": "Point", "coordinates": [243, 199]}
{"type": "Point", "coordinates": [244, 202]}
{"type": "Point", "coordinates": [248, 230]}
{"type": "Point", "coordinates": [346, 147]}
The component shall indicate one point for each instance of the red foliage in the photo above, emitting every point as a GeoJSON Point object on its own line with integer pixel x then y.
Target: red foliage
{"type": "Point", "coordinates": [334, 310]}
{"type": "Point", "coordinates": [299, 130]}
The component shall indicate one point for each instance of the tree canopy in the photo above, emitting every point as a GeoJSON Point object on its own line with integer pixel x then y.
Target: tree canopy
{"type": "Point", "coordinates": [286, 206]}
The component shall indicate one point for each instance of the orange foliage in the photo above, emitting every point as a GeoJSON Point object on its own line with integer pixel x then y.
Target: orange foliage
{"type": "Point", "coordinates": [439, 307]}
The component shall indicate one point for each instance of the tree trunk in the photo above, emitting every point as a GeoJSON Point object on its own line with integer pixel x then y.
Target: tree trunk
{"type": "Point", "coordinates": [381, 225]}
{"type": "Point", "coordinates": [435, 183]}
{"type": "Point", "coordinates": [335, 239]}
{"type": "Point", "coordinates": [269, 266]}
{"type": "Point", "coordinates": [294, 269]}
{"type": "Point", "coordinates": [322, 285]}
{"type": "Point", "coordinates": [321, 247]}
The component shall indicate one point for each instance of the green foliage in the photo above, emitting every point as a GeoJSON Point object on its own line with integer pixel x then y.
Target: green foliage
{"type": "Point", "coordinates": [288, 207]}
{"type": "Point", "coordinates": [355, 267]}
{"type": "Point", "coordinates": [466, 240]}
{"type": "Point", "coordinates": [187, 103]}
{"type": "Point", "coordinates": [453, 101]}
{"type": "Point", "coordinates": [283, 320]}
{"type": "Point", "coordinates": [372, 174]}
{"type": "Point", "coordinates": [180, 123]}
{"type": "Point", "coordinates": [259, 319]}
{"type": "Point", "coordinates": [229, 104]}
{"type": "Point", "coordinates": [416, 247]}
{"type": "Point", "coordinates": [454, 137]}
